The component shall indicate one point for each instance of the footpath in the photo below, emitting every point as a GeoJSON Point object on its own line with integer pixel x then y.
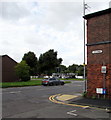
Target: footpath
{"type": "Point", "coordinates": [100, 103]}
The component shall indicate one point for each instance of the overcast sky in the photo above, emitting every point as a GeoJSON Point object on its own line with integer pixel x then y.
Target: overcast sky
{"type": "Point", "coordinates": [40, 25]}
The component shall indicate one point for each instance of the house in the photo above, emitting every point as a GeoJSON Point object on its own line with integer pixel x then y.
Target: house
{"type": "Point", "coordinates": [99, 53]}
{"type": "Point", "coordinates": [7, 69]}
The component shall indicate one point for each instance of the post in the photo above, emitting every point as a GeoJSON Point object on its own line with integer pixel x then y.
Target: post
{"type": "Point", "coordinates": [104, 85]}
{"type": "Point", "coordinates": [1, 88]}
{"type": "Point", "coordinates": [85, 86]}
{"type": "Point", "coordinates": [103, 70]}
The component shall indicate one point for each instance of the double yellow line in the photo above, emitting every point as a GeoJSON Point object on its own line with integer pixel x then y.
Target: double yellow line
{"type": "Point", "coordinates": [52, 98]}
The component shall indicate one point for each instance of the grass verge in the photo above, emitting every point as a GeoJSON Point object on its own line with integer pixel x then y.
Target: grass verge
{"type": "Point", "coordinates": [20, 84]}
{"type": "Point", "coordinates": [23, 84]}
{"type": "Point", "coordinates": [67, 82]}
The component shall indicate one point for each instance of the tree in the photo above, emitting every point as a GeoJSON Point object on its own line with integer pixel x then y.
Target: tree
{"type": "Point", "coordinates": [32, 61]}
{"type": "Point", "coordinates": [73, 68]}
{"type": "Point", "coordinates": [22, 71]}
{"type": "Point", "coordinates": [48, 62]}
{"type": "Point", "coordinates": [80, 70]}
{"type": "Point", "coordinates": [63, 68]}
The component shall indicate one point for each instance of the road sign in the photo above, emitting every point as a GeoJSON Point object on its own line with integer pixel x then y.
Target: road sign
{"type": "Point", "coordinates": [101, 91]}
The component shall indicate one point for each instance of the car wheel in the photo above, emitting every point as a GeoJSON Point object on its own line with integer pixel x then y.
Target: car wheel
{"type": "Point", "coordinates": [51, 84]}
{"type": "Point", "coordinates": [62, 83]}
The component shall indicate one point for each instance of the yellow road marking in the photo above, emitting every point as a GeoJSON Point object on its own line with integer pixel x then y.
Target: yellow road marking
{"type": "Point", "coordinates": [52, 98]}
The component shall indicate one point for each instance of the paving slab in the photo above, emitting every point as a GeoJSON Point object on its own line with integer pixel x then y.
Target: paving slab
{"type": "Point", "coordinates": [101, 103]}
{"type": "Point", "coordinates": [74, 99]}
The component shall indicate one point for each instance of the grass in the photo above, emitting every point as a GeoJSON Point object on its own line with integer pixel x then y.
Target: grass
{"type": "Point", "coordinates": [22, 84]}
{"type": "Point", "coordinates": [67, 81]}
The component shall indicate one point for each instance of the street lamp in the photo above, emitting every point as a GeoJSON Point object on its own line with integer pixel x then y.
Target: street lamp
{"type": "Point", "coordinates": [85, 6]}
{"type": "Point", "coordinates": [85, 82]}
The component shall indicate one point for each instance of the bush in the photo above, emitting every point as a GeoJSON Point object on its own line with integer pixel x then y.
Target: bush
{"type": "Point", "coordinates": [25, 78]}
{"type": "Point", "coordinates": [22, 71]}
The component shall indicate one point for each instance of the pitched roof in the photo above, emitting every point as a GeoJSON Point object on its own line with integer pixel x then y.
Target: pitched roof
{"type": "Point", "coordinates": [8, 57]}
{"type": "Point", "coordinates": [106, 11]}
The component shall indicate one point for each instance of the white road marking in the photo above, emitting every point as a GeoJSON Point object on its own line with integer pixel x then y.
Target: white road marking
{"type": "Point", "coordinates": [79, 85]}
{"type": "Point", "coordinates": [72, 113]}
{"type": "Point", "coordinates": [15, 92]}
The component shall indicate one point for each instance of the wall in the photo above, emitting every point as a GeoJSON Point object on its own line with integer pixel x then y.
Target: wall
{"type": "Point", "coordinates": [8, 70]}
{"type": "Point", "coordinates": [98, 35]}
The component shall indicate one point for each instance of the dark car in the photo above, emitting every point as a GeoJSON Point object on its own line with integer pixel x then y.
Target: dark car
{"type": "Point", "coordinates": [52, 81]}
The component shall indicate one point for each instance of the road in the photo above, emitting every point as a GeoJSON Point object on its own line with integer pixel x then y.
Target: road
{"type": "Point", "coordinates": [33, 102]}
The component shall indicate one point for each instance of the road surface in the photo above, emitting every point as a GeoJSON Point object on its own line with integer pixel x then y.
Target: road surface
{"type": "Point", "coordinates": [33, 102]}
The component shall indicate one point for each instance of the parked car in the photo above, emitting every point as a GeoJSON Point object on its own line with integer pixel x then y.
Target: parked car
{"type": "Point", "coordinates": [52, 81]}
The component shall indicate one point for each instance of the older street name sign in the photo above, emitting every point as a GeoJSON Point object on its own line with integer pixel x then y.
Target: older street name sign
{"type": "Point", "coordinates": [97, 51]}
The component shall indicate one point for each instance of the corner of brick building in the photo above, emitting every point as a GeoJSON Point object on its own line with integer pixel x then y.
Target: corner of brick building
{"type": "Point", "coordinates": [99, 39]}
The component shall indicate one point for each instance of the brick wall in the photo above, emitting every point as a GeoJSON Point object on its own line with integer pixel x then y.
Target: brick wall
{"type": "Point", "coordinates": [98, 28]}
{"type": "Point", "coordinates": [98, 38]}
{"type": "Point", "coordinates": [96, 79]}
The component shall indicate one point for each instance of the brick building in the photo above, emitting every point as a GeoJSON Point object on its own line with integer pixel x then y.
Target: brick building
{"type": "Point", "coordinates": [99, 53]}
{"type": "Point", "coordinates": [7, 70]}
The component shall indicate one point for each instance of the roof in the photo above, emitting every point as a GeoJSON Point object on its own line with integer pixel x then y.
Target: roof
{"type": "Point", "coordinates": [107, 11]}
{"type": "Point", "coordinates": [8, 57]}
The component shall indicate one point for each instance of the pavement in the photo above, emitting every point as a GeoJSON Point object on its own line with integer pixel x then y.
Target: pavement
{"type": "Point", "coordinates": [99, 103]}
{"type": "Point", "coordinates": [78, 100]}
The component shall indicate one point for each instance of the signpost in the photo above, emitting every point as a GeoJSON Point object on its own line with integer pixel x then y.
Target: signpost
{"type": "Point", "coordinates": [101, 91]}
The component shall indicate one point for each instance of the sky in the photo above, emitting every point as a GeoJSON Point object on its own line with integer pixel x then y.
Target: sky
{"type": "Point", "coordinates": [41, 25]}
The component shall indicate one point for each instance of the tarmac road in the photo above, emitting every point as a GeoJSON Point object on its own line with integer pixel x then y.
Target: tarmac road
{"type": "Point", "coordinates": [33, 102]}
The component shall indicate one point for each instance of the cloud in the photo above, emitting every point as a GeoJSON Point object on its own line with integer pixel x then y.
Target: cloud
{"type": "Point", "coordinates": [59, 15]}
{"type": "Point", "coordinates": [12, 11]}
{"type": "Point", "coordinates": [40, 26]}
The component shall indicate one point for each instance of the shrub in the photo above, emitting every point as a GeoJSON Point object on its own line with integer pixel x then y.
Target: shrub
{"type": "Point", "coordinates": [22, 71]}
